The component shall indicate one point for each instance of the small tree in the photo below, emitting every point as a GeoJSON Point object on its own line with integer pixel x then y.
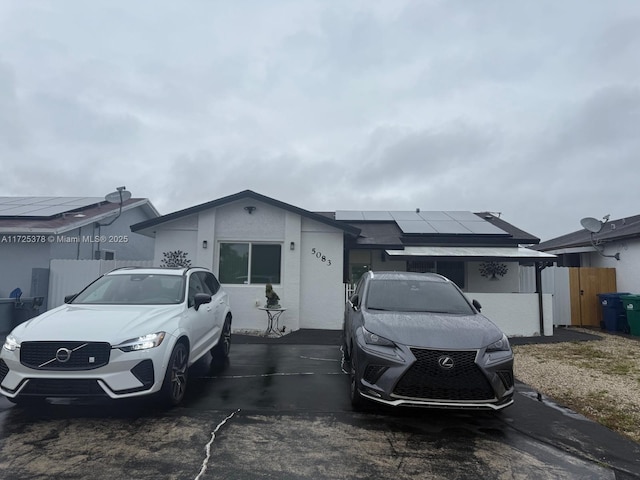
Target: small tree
{"type": "Point", "coordinates": [176, 258]}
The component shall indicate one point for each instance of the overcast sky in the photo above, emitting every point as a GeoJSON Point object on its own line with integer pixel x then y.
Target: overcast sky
{"type": "Point", "coordinates": [528, 108]}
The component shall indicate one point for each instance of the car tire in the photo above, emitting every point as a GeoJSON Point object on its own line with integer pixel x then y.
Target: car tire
{"type": "Point", "coordinates": [357, 402]}
{"type": "Point", "coordinates": [175, 377]}
{"type": "Point", "coordinates": [221, 350]}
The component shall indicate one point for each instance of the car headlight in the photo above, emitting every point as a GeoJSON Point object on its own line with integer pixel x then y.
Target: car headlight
{"type": "Point", "coordinates": [373, 339]}
{"type": "Point", "coordinates": [10, 343]}
{"type": "Point", "coordinates": [142, 343]}
{"type": "Point", "coordinates": [501, 345]}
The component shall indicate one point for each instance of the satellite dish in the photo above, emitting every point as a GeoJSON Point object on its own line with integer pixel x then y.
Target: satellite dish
{"type": "Point", "coordinates": [592, 224]}
{"type": "Point", "coordinates": [119, 196]}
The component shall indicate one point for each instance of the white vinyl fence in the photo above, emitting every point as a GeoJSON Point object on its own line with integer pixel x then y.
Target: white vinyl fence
{"type": "Point", "coordinates": [70, 276]}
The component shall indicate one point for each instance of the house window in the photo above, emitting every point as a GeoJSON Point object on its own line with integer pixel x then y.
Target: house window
{"type": "Point", "coordinates": [453, 270]}
{"type": "Point", "coordinates": [250, 263]}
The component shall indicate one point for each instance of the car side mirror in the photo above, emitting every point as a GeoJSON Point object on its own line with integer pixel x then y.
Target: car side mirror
{"type": "Point", "coordinates": [201, 298]}
{"type": "Point", "coordinates": [476, 304]}
{"type": "Point", "coordinates": [355, 301]}
{"type": "Point", "coordinates": [69, 298]}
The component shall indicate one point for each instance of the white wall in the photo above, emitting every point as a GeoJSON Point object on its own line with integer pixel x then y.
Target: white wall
{"type": "Point", "coordinates": [181, 234]}
{"type": "Point", "coordinates": [510, 282]}
{"type": "Point", "coordinates": [627, 278]}
{"type": "Point", "coordinates": [322, 289]}
{"type": "Point", "coordinates": [516, 314]}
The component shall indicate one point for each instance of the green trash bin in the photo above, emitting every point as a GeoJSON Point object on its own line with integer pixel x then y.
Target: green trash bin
{"type": "Point", "coordinates": [632, 307]}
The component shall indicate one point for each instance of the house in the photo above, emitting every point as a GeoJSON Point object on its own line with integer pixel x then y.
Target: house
{"type": "Point", "coordinates": [313, 258]}
{"type": "Point", "coordinates": [36, 230]}
{"type": "Point", "coordinates": [602, 259]}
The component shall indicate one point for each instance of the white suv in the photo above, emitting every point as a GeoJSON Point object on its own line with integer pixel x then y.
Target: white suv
{"type": "Point", "coordinates": [132, 332]}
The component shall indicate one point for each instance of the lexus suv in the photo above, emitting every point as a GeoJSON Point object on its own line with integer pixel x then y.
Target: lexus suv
{"type": "Point", "coordinates": [414, 339]}
{"type": "Point", "coordinates": [132, 332]}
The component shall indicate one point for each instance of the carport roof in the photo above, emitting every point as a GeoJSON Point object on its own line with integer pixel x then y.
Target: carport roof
{"type": "Point", "coordinates": [520, 254]}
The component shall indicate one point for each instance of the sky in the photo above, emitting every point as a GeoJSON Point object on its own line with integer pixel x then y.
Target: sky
{"type": "Point", "coordinates": [530, 109]}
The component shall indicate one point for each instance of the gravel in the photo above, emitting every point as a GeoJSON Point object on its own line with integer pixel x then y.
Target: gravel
{"type": "Point", "coordinates": [599, 379]}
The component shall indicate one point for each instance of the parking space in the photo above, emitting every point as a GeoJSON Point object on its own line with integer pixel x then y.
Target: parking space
{"type": "Point", "coordinates": [282, 411]}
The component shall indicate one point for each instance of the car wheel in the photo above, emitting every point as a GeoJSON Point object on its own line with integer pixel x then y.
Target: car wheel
{"type": "Point", "coordinates": [223, 347]}
{"type": "Point", "coordinates": [175, 378]}
{"type": "Point", "coordinates": [356, 399]}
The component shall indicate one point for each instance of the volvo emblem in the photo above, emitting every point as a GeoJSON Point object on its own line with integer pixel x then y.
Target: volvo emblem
{"type": "Point", "coordinates": [63, 355]}
{"type": "Point", "coordinates": [445, 362]}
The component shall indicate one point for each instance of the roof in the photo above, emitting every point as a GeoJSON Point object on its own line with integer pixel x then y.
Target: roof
{"type": "Point", "coordinates": [60, 214]}
{"type": "Point", "coordinates": [487, 230]}
{"type": "Point", "coordinates": [614, 230]}
{"type": "Point", "coordinates": [246, 194]}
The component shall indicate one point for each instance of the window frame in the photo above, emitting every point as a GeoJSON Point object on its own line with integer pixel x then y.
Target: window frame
{"type": "Point", "coordinates": [249, 261]}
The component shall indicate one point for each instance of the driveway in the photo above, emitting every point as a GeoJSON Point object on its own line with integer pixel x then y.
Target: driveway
{"type": "Point", "coordinates": [281, 411]}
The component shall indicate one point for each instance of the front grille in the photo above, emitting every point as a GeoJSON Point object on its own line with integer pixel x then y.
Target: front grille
{"type": "Point", "coordinates": [51, 355]}
{"type": "Point", "coordinates": [426, 379]}
{"type": "Point", "coordinates": [4, 369]}
{"type": "Point", "coordinates": [59, 387]}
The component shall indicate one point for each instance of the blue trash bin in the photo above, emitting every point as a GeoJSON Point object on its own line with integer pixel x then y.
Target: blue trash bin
{"type": "Point", "coordinates": [614, 315]}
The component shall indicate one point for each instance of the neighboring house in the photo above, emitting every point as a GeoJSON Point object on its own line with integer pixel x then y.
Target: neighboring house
{"type": "Point", "coordinates": [36, 230]}
{"type": "Point", "coordinates": [311, 259]}
{"type": "Point", "coordinates": [602, 262]}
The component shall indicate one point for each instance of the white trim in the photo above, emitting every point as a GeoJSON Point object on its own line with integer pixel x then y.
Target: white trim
{"type": "Point", "coordinates": [471, 252]}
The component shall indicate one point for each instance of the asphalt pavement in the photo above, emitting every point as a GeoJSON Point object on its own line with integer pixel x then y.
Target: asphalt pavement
{"type": "Point", "coordinates": [279, 409]}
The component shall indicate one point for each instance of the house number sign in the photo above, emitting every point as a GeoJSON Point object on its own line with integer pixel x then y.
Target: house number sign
{"type": "Point", "coordinates": [323, 258]}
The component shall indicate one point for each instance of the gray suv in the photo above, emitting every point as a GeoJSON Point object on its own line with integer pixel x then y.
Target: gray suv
{"type": "Point", "coordinates": [414, 339]}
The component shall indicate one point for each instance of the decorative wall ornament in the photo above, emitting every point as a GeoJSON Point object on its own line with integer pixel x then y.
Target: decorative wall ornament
{"type": "Point", "coordinates": [493, 270]}
{"type": "Point", "coordinates": [176, 258]}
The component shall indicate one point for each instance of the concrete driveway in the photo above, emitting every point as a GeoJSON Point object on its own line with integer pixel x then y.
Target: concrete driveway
{"type": "Point", "coordinates": [279, 411]}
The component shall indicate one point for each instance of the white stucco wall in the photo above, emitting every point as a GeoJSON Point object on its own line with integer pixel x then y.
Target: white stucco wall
{"type": "Point", "coordinates": [265, 224]}
{"type": "Point", "coordinates": [510, 282]}
{"type": "Point", "coordinates": [516, 314]}
{"type": "Point", "coordinates": [322, 289]}
{"type": "Point", "coordinates": [181, 234]}
{"type": "Point", "coordinates": [627, 278]}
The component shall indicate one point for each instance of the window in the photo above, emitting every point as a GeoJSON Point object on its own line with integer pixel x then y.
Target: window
{"type": "Point", "coordinates": [209, 282]}
{"type": "Point", "coordinates": [453, 270]}
{"type": "Point", "coordinates": [250, 263]}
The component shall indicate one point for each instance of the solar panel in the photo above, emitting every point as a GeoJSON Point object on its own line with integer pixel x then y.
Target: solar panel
{"type": "Point", "coordinates": [449, 226]}
{"type": "Point", "coordinates": [406, 215]}
{"type": "Point", "coordinates": [451, 222]}
{"type": "Point", "coordinates": [483, 227]}
{"type": "Point", "coordinates": [464, 216]}
{"type": "Point", "coordinates": [43, 206]}
{"type": "Point", "coordinates": [433, 215]}
{"type": "Point", "coordinates": [415, 226]}
{"type": "Point", "coordinates": [377, 216]}
{"type": "Point", "coordinates": [349, 215]}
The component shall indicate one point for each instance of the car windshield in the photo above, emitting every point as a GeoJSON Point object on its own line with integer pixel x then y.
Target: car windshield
{"type": "Point", "coordinates": [416, 296]}
{"type": "Point", "coordinates": [133, 289]}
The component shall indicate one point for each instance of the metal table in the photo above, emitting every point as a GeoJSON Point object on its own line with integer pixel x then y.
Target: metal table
{"type": "Point", "coordinates": [273, 318]}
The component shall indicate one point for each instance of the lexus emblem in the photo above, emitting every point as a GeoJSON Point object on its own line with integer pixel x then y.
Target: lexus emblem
{"type": "Point", "coordinates": [63, 355]}
{"type": "Point", "coordinates": [445, 362]}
